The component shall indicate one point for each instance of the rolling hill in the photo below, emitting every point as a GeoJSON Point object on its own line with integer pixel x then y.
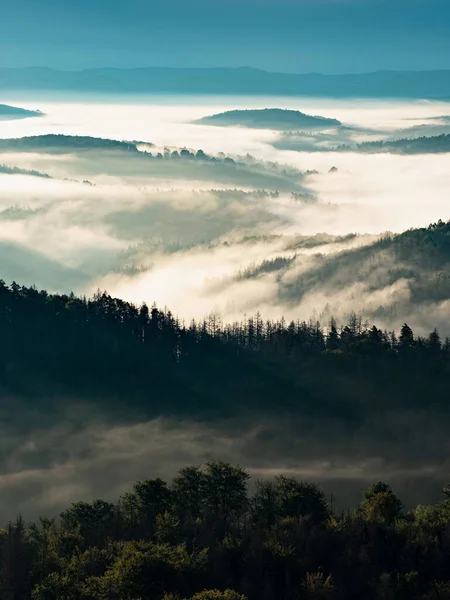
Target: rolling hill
{"type": "Point", "coordinates": [270, 118]}
{"type": "Point", "coordinates": [9, 113]}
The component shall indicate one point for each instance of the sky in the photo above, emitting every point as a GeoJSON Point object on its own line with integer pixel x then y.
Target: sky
{"type": "Point", "coordinates": [328, 36]}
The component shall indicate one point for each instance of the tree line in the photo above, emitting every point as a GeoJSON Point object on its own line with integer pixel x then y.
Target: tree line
{"type": "Point", "coordinates": [103, 347]}
{"type": "Point", "coordinates": [205, 537]}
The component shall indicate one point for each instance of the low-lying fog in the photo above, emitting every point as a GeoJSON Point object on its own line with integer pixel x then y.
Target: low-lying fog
{"type": "Point", "coordinates": [201, 237]}
{"type": "Point", "coordinates": [44, 467]}
{"type": "Point", "coordinates": [178, 234]}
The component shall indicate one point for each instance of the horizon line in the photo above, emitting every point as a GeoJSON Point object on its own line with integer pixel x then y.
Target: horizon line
{"type": "Point", "coordinates": [223, 68]}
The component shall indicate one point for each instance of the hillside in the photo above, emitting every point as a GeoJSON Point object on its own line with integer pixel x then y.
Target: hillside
{"type": "Point", "coordinates": [206, 535]}
{"type": "Point", "coordinates": [144, 160]}
{"type": "Point", "coordinates": [110, 345]}
{"type": "Point", "coordinates": [8, 113]}
{"type": "Point", "coordinates": [7, 170]}
{"type": "Point", "coordinates": [270, 118]}
{"type": "Point", "coordinates": [354, 392]}
{"type": "Point", "coordinates": [62, 142]}
{"type": "Point", "coordinates": [421, 145]}
{"type": "Point", "coordinates": [403, 274]}
{"type": "Point", "coordinates": [343, 140]}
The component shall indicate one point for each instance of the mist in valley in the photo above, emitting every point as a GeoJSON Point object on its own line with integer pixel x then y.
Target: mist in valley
{"type": "Point", "coordinates": [251, 224]}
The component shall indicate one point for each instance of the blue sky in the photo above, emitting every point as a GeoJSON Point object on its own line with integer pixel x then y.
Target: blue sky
{"type": "Point", "coordinates": [329, 36]}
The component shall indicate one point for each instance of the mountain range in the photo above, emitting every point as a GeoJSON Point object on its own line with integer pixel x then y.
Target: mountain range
{"type": "Point", "coordinates": [242, 80]}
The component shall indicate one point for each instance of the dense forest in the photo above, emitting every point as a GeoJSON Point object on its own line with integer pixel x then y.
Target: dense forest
{"type": "Point", "coordinates": [209, 535]}
{"type": "Point", "coordinates": [421, 145]}
{"type": "Point", "coordinates": [12, 112]}
{"type": "Point", "coordinates": [344, 139]}
{"type": "Point", "coordinates": [59, 142]}
{"type": "Point", "coordinates": [270, 118]}
{"type": "Point", "coordinates": [7, 170]}
{"type": "Point", "coordinates": [106, 348]}
{"type": "Point", "coordinates": [205, 537]}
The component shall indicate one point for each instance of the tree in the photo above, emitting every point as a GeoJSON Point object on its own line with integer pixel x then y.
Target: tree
{"type": "Point", "coordinates": [146, 571]}
{"type": "Point", "coordinates": [149, 499]}
{"type": "Point", "coordinates": [265, 503]}
{"type": "Point", "coordinates": [301, 499]}
{"type": "Point", "coordinates": [434, 343]}
{"type": "Point", "coordinates": [57, 587]}
{"type": "Point", "coordinates": [225, 489]}
{"type": "Point", "coordinates": [380, 503]}
{"type": "Point", "coordinates": [189, 491]}
{"type": "Point", "coordinates": [406, 338]}
{"type": "Point", "coordinates": [94, 521]}
{"type": "Point", "coordinates": [333, 341]}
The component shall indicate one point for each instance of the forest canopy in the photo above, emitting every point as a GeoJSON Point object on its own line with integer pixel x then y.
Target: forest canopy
{"type": "Point", "coordinates": [420, 145]}
{"type": "Point", "coordinates": [105, 347]}
{"type": "Point", "coordinates": [270, 118]}
{"type": "Point", "coordinates": [13, 112]}
{"type": "Point", "coordinates": [205, 537]}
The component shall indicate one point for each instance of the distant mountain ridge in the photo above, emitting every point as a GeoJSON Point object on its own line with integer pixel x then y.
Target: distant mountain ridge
{"type": "Point", "coordinates": [243, 80]}
{"type": "Point", "coordinates": [270, 118]}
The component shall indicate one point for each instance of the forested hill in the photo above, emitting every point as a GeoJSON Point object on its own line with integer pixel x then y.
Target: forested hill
{"type": "Point", "coordinates": [205, 537]}
{"type": "Point", "coordinates": [415, 264]}
{"type": "Point", "coordinates": [270, 118]}
{"type": "Point", "coordinates": [421, 145]}
{"type": "Point", "coordinates": [55, 346]}
{"type": "Point", "coordinates": [60, 142]}
{"type": "Point", "coordinates": [13, 112]}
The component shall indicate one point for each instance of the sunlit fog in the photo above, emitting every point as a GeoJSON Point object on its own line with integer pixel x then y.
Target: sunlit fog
{"type": "Point", "coordinates": [192, 235]}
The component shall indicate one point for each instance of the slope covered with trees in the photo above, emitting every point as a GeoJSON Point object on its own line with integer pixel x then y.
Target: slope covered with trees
{"type": "Point", "coordinates": [85, 157]}
{"type": "Point", "coordinates": [8, 113]}
{"type": "Point", "coordinates": [7, 170]}
{"type": "Point", "coordinates": [421, 145]}
{"type": "Point", "coordinates": [205, 537]}
{"type": "Point", "coordinates": [398, 274]}
{"type": "Point", "coordinates": [57, 346]}
{"type": "Point", "coordinates": [60, 142]}
{"type": "Point", "coordinates": [270, 118]}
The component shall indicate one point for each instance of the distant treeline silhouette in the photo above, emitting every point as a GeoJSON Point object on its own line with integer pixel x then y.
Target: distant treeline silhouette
{"type": "Point", "coordinates": [421, 145]}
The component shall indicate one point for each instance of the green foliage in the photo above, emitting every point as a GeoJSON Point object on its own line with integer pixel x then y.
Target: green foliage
{"type": "Point", "coordinates": [146, 571]}
{"type": "Point", "coordinates": [301, 499]}
{"type": "Point", "coordinates": [319, 587]}
{"type": "Point", "coordinates": [204, 531]}
{"type": "Point", "coordinates": [288, 497]}
{"type": "Point", "coordinates": [281, 542]}
{"type": "Point", "coordinates": [225, 489]}
{"type": "Point", "coordinates": [93, 521]}
{"type": "Point", "coordinates": [218, 595]}
{"type": "Point", "coordinates": [149, 499]}
{"type": "Point", "coordinates": [61, 346]}
{"type": "Point", "coordinates": [270, 118]}
{"type": "Point", "coordinates": [420, 145]}
{"type": "Point", "coordinates": [57, 587]}
{"type": "Point", "coordinates": [380, 503]}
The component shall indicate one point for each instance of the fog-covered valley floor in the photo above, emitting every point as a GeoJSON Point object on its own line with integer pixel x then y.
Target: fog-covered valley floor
{"type": "Point", "coordinates": [193, 235]}
{"type": "Point", "coordinates": [258, 221]}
